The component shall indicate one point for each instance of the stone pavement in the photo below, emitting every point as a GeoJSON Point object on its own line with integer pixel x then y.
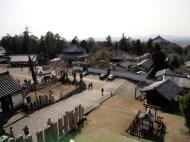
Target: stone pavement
{"type": "Point", "coordinates": [89, 99]}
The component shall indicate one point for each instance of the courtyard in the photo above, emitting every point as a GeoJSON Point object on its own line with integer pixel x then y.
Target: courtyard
{"type": "Point", "coordinates": [89, 99]}
{"type": "Point", "coordinates": [109, 119]}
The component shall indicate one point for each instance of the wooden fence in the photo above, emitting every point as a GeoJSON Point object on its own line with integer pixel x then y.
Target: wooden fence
{"type": "Point", "coordinates": [57, 130]}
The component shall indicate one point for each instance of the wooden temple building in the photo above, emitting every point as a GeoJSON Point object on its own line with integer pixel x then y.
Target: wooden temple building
{"type": "Point", "coordinates": [73, 53]}
{"type": "Point", "coordinates": [147, 122]}
{"type": "Point", "coordinates": [163, 93]}
{"type": "Point", "coordinates": [22, 60]}
{"type": "Point", "coordinates": [11, 92]}
{"type": "Point", "coordinates": [182, 80]}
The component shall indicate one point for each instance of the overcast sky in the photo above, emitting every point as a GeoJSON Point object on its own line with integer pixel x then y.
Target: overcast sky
{"type": "Point", "coordinates": [95, 18]}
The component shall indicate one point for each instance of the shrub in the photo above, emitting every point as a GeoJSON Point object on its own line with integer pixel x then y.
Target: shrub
{"type": "Point", "coordinates": [185, 108]}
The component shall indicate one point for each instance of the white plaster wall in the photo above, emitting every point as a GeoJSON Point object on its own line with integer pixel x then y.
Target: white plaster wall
{"type": "Point", "coordinates": [17, 100]}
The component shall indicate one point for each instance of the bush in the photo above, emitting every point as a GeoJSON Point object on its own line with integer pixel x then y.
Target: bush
{"type": "Point", "coordinates": [185, 108]}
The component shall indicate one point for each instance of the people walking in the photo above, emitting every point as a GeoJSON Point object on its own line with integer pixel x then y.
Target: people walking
{"type": "Point", "coordinates": [91, 86]}
{"type": "Point", "coordinates": [11, 132]}
{"type": "Point", "coordinates": [102, 90]}
{"type": "Point", "coordinates": [49, 122]}
{"type": "Point", "coordinates": [26, 130]}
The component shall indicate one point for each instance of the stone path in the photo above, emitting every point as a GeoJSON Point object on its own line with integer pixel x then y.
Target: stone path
{"type": "Point", "coordinates": [89, 99]}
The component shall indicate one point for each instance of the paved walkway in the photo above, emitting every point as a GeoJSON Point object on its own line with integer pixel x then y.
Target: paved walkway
{"type": "Point", "coordinates": [89, 99]}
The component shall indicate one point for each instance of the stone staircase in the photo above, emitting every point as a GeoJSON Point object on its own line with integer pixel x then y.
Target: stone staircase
{"type": "Point", "coordinates": [126, 88]}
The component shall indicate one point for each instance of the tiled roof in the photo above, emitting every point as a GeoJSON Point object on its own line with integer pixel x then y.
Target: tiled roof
{"type": "Point", "coordinates": [167, 88]}
{"type": "Point", "coordinates": [147, 63]}
{"type": "Point", "coordinates": [183, 82]}
{"type": "Point", "coordinates": [8, 85]}
{"type": "Point", "coordinates": [73, 48]}
{"type": "Point", "coordinates": [164, 71]}
{"type": "Point", "coordinates": [22, 58]}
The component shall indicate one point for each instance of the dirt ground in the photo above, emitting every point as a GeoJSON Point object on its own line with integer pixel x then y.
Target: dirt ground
{"type": "Point", "coordinates": [109, 122]}
{"type": "Point", "coordinates": [58, 90]}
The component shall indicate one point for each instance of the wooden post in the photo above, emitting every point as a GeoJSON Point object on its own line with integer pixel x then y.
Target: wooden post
{"type": "Point", "coordinates": [80, 112]}
{"type": "Point", "coordinates": [54, 132]}
{"type": "Point", "coordinates": [48, 135]}
{"type": "Point", "coordinates": [39, 136]}
{"type": "Point", "coordinates": [60, 126]}
{"type": "Point", "coordinates": [77, 113]}
{"type": "Point", "coordinates": [66, 123]}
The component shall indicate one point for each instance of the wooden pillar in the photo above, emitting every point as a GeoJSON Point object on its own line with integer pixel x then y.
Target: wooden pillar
{"type": "Point", "coordinates": [60, 127]}
{"type": "Point", "coordinates": [66, 123]}
{"type": "Point", "coordinates": [54, 132]}
{"type": "Point", "coordinates": [48, 134]}
{"type": "Point", "coordinates": [80, 112]}
{"type": "Point", "coordinates": [71, 122]}
{"type": "Point", "coordinates": [75, 118]}
{"type": "Point", "coordinates": [77, 113]}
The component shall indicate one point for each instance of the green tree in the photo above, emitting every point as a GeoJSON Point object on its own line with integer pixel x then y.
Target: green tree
{"type": "Point", "coordinates": [159, 60]}
{"type": "Point", "coordinates": [116, 46]}
{"type": "Point", "coordinates": [184, 104]}
{"type": "Point", "coordinates": [174, 61]}
{"type": "Point", "coordinates": [91, 44]}
{"type": "Point", "coordinates": [108, 40]}
{"type": "Point", "coordinates": [149, 46]}
{"type": "Point", "coordinates": [51, 45]}
{"type": "Point", "coordinates": [123, 43]}
{"type": "Point", "coordinates": [84, 45]}
{"type": "Point", "coordinates": [138, 47]}
{"type": "Point", "coordinates": [6, 42]}
{"type": "Point", "coordinates": [26, 48]}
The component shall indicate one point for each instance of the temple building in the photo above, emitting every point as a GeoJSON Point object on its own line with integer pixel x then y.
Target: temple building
{"type": "Point", "coordinates": [21, 60]}
{"type": "Point", "coordinates": [73, 53]}
{"type": "Point", "coordinates": [11, 92]}
{"type": "Point", "coordinates": [163, 93]}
